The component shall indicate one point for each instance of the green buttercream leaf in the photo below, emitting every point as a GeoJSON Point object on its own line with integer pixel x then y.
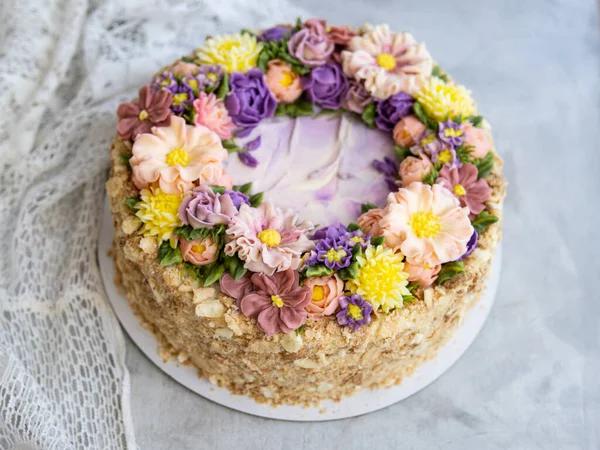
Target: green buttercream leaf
{"type": "Point", "coordinates": [317, 270]}
{"type": "Point", "coordinates": [439, 73]}
{"type": "Point", "coordinates": [244, 188]}
{"type": "Point", "coordinates": [301, 108]}
{"type": "Point", "coordinates": [476, 121]}
{"type": "Point", "coordinates": [125, 157]}
{"type": "Point", "coordinates": [218, 189]}
{"type": "Point", "coordinates": [367, 207]}
{"type": "Point", "coordinates": [432, 176]}
{"type": "Point", "coordinates": [402, 152]}
{"type": "Point", "coordinates": [230, 146]}
{"type": "Point", "coordinates": [356, 251]}
{"type": "Point", "coordinates": [463, 153]}
{"type": "Point", "coordinates": [223, 87]}
{"type": "Point", "coordinates": [483, 220]}
{"type": "Point", "coordinates": [213, 275]}
{"type": "Point", "coordinates": [353, 226]}
{"type": "Point", "coordinates": [449, 271]}
{"type": "Point", "coordinates": [298, 24]}
{"type": "Point", "coordinates": [485, 165]}
{"type": "Point", "coordinates": [187, 59]}
{"type": "Point", "coordinates": [412, 286]}
{"type": "Point", "coordinates": [256, 199]}
{"type": "Point", "coordinates": [368, 115]}
{"type": "Point", "coordinates": [408, 299]}
{"type": "Point", "coordinates": [350, 272]}
{"type": "Point", "coordinates": [247, 31]}
{"type": "Point", "coordinates": [234, 266]}
{"type": "Point", "coordinates": [379, 240]}
{"type": "Point", "coordinates": [131, 202]}
{"type": "Point", "coordinates": [300, 329]}
{"type": "Point", "coordinates": [281, 110]}
{"type": "Point", "coordinates": [263, 59]}
{"type": "Point", "coordinates": [168, 255]}
{"type": "Point", "coordinates": [327, 112]}
{"type": "Point", "coordinates": [420, 113]}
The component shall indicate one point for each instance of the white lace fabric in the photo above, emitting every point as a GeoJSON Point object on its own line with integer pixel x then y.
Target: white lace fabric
{"type": "Point", "coordinates": [65, 65]}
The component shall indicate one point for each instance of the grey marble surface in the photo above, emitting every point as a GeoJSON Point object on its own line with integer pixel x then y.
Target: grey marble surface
{"type": "Point", "coordinates": [531, 379]}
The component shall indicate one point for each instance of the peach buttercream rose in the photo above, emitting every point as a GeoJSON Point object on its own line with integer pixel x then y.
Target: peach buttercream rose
{"type": "Point", "coordinates": [211, 112]}
{"type": "Point", "coordinates": [182, 69]}
{"type": "Point", "coordinates": [199, 252]}
{"type": "Point", "coordinates": [177, 157]}
{"type": "Point", "coordinates": [421, 272]}
{"type": "Point", "coordinates": [283, 82]}
{"type": "Point", "coordinates": [479, 138]}
{"type": "Point", "coordinates": [408, 131]}
{"type": "Point", "coordinates": [414, 169]}
{"type": "Point", "coordinates": [325, 295]}
{"type": "Point", "coordinates": [369, 222]}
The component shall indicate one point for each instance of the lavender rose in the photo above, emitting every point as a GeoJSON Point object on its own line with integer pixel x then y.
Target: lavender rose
{"type": "Point", "coordinates": [357, 98]}
{"type": "Point", "coordinates": [326, 85]}
{"type": "Point", "coordinates": [311, 45]}
{"type": "Point", "coordinates": [205, 208]}
{"type": "Point", "coordinates": [391, 110]}
{"type": "Point", "coordinates": [238, 198]}
{"type": "Point", "coordinates": [274, 34]}
{"type": "Point", "coordinates": [249, 101]}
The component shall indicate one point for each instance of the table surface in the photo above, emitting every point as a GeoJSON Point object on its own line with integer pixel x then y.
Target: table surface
{"type": "Point", "coordinates": [531, 378]}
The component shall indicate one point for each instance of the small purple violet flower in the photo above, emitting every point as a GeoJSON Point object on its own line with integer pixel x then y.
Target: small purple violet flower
{"type": "Point", "coordinates": [355, 311]}
{"type": "Point", "coordinates": [165, 80]}
{"type": "Point", "coordinates": [451, 133]}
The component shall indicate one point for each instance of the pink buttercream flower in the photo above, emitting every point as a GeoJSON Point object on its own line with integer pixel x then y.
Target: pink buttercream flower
{"type": "Point", "coordinates": [465, 186]}
{"type": "Point", "coordinates": [408, 131]}
{"type": "Point", "coordinates": [283, 82]}
{"type": "Point", "coordinates": [421, 272]}
{"type": "Point", "coordinates": [211, 112]}
{"type": "Point", "coordinates": [176, 157]}
{"type": "Point", "coordinates": [369, 222]}
{"type": "Point", "coordinates": [388, 62]}
{"type": "Point", "coordinates": [236, 289]}
{"type": "Point", "coordinates": [267, 238]}
{"type": "Point", "coordinates": [150, 109]}
{"type": "Point", "coordinates": [277, 302]}
{"type": "Point", "coordinates": [414, 169]}
{"type": "Point", "coordinates": [199, 252]}
{"type": "Point", "coordinates": [426, 223]}
{"type": "Point", "coordinates": [341, 35]}
{"type": "Point", "coordinates": [478, 138]}
{"type": "Point", "coordinates": [182, 69]}
{"type": "Point", "coordinates": [325, 294]}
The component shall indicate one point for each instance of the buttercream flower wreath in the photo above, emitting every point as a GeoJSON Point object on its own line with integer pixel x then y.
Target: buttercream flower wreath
{"type": "Point", "coordinates": [280, 270]}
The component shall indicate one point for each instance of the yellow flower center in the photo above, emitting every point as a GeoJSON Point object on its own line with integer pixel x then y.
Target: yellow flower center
{"type": "Point", "coordinates": [143, 114]}
{"type": "Point", "coordinates": [355, 312]}
{"type": "Point", "coordinates": [425, 224]}
{"type": "Point", "coordinates": [387, 61]}
{"type": "Point", "coordinates": [459, 190]}
{"type": "Point", "coordinates": [178, 157]}
{"type": "Point", "coordinates": [178, 99]}
{"type": "Point", "coordinates": [158, 212]}
{"type": "Point", "coordinates": [451, 132]}
{"type": "Point", "coordinates": [199, 248]}
{"type": "Point", "coordinates": [193, 84]}
{"type": "Point", "coordinates": [445, 156]}
{"type": "Point", "coordinates": [287, 78]}
{"type": "Point", "coordinates": [426, 266]}
{"type": "Point", "coordinates": [212, 76]}
{"type": "Point", "coordinates": [227, 46]}
{"type": "Point", "coordinates": [270, 237]}
{"type": "Point", "coordinates": [428, 140]}
{"type": "Point", "coordinates": [277, 301]}
{"type": "Point", "coordinates": [318, 293]}
{"type": "Point", "coordinates": [334, 255]}
{"type": "Point", "coordinates": [357, 239]}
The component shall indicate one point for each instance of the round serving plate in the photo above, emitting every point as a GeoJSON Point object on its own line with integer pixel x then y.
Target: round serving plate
{"type": "Point", "coordinates": [363, 402]}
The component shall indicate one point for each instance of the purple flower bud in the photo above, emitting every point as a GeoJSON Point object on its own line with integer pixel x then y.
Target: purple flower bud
{"type": "Point", "coordinates": [274, 34]}
{"type": "Point", "coordinates": [247, 159]}
{"type": "Point", "coordinates": [391, 110]}
{"type": "Point", "coordinates": [327, 85]}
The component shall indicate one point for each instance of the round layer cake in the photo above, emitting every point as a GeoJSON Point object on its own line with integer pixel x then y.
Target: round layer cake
{"type": "Point", "coordinates": [304, 211]}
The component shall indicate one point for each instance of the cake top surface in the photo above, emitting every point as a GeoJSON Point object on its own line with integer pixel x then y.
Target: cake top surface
{"type": "Point", "coordinates": [310, 170]}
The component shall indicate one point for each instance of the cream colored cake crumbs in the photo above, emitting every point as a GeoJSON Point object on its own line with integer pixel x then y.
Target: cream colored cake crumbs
{"type": "Point", "coordinates": [203, 327]}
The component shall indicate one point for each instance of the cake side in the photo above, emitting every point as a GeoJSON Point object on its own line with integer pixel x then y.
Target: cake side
{"type": "Point", "coordinates": [323, 361]}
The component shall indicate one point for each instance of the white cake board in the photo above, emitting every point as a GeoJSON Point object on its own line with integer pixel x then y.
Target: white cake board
{"type": "Point", "coordinates": [364, 402]}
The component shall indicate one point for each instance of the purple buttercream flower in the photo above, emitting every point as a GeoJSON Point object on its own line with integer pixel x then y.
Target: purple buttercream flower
{"type": "Point", "coordinates": [391, 110]}
{"type": "Point", "coordinates": [334, 246]}
{"type": "Point", "coordinates": [274, 34]}
{"type": "Point", "coordinates": [249, 101]}
{"type": "Point", "coordinates": [238, 198]}
{"type": "Point", "coordinates": [470, 245]}
{"type": "Point", "coordinates": [355, 311]}
{"type": "Point", "coordinates": [357, 97]}
{"type": "Point", "coordinates": [209, 77]}
{"type": "Point", "coordinates": [388, 168]}
{"type": "Point", "coordinates": [183, 96]}
{"type": "Point", "coordinates": [165, 80]}
{"type": "Point", "coordinates": [444, 155]}
{"type": "Point", "coordinates": [247, 159]}
{"type": "Point", "coordinates": [326, 85]}
{"type": "Point", "coordinates": [311, 45]}
{"type": "Point", "coordinates": [332, 232]}
{"type": "Point", "coordinates": [451, 133]}
{"type": "Point", "coordinates": [204, 208]}
{"type": "Point", "coordinates": [357, 237]}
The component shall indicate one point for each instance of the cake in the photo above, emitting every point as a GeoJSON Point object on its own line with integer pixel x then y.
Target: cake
{"type": "Point", "coordinates": [304, 211]}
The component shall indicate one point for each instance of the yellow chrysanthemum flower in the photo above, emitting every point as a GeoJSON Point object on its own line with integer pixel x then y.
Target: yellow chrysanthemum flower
{"type": "Point", "coordinates": [233, 52]}
{"type": "Point", "coordinates": [381, 280]}
{"type": "Point", "coordinates": [158, 212]}
{"type": "Point", "coordinates": [441, 100]}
